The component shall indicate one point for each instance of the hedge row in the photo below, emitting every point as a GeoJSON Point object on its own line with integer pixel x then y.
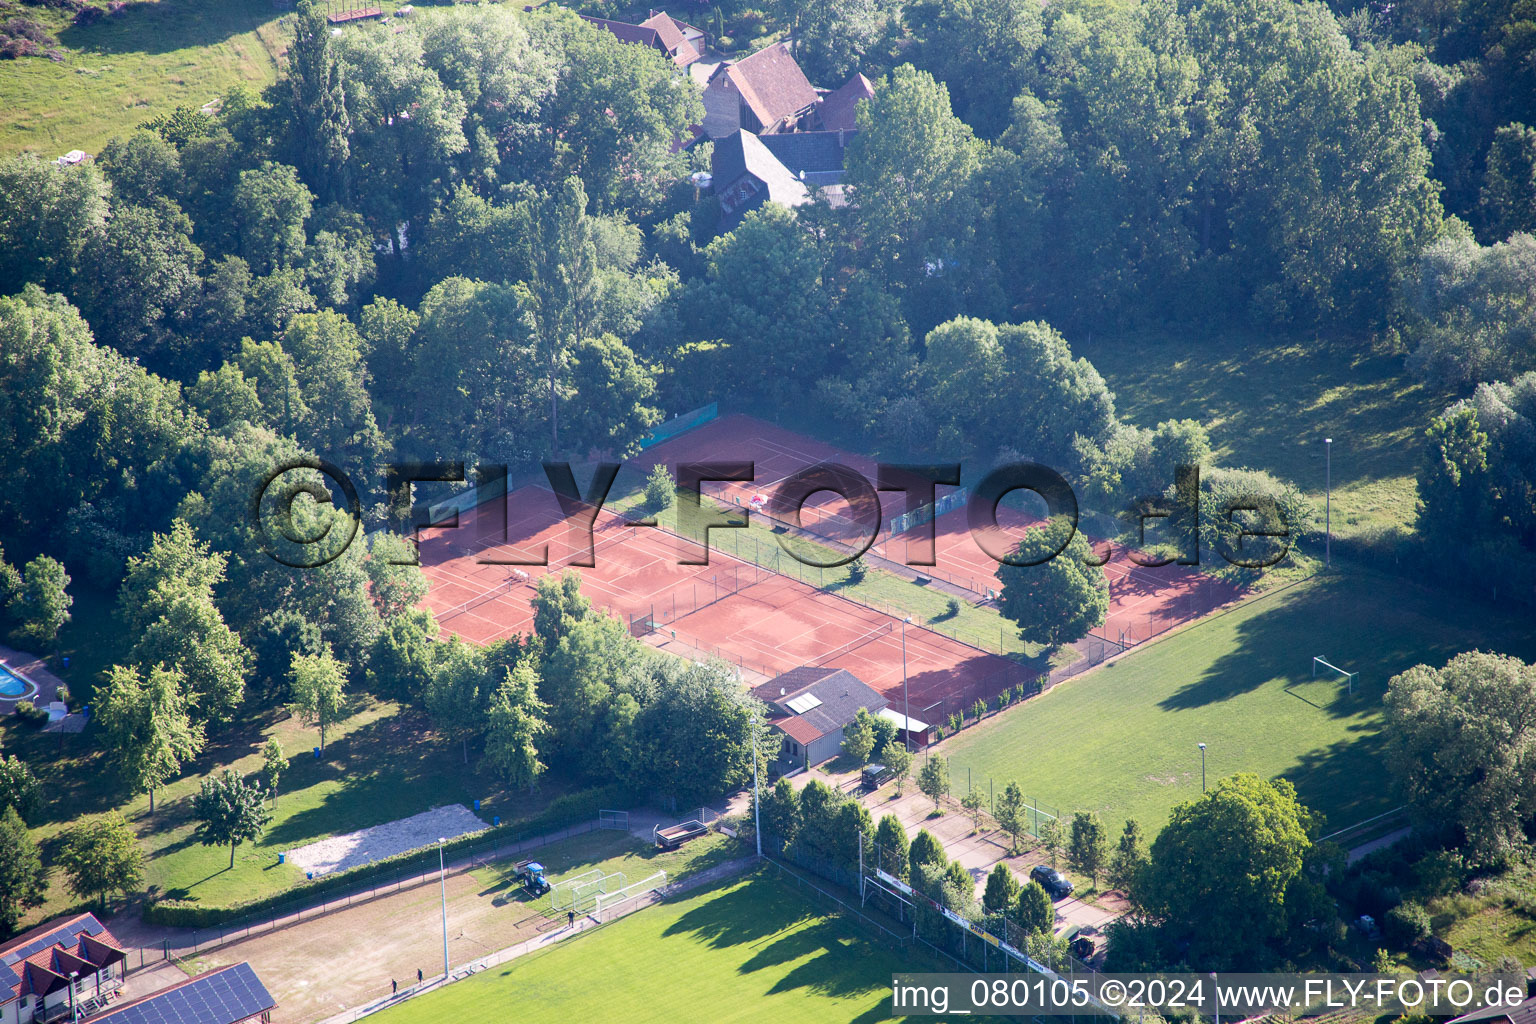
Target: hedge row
{"type": "Point", "coordinates": [562, 812]}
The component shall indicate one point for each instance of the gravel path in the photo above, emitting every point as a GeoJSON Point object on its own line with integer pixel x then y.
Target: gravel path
{"type": "Point", "coordinates": [370, 844]}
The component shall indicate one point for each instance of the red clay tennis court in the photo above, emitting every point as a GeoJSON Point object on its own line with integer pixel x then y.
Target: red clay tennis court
{"type": "Point", "coordinates": [1144, 601]}
{"type": "Point", "coordinates": [763, 622]}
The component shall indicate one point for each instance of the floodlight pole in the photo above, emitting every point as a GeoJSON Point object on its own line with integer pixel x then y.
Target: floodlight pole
{"type": "Point", "coordinates": [442, 878]}
{"type": "Point", "coordinates": [1328, 504]}
{"type": "Point", "coordinates": [74, 1010]}
{"type": "Point", "coordinates": [1202, 767]}
{"type": "Point", "coordinates": [757, 796]}
{"type": "Point", "coordinates": [906, 699]}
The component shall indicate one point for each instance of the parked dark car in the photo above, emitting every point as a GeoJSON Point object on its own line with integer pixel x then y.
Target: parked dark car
{"type": "Point", "coordinates": [1052, 881]}
{"type": "Point", "coordinates": [875, 775]}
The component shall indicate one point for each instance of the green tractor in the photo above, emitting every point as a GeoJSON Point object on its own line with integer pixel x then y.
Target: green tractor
{"type": "Point", "coordinates": [530, 875]}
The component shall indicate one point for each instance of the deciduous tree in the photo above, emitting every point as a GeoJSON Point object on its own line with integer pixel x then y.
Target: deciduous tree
{"type": "Point", "coordinates": [101, 856]}
{"type": "Point", "coordinates": [146, 727]}
{"type": "Point", "coordinates": [273, 763]}
{"type": "Point", "coordinates": [229, 809]}
{"type": "Point", "coordinates": [1088, 849]}
{"type": "Point", "coordinates": [317, 686]}
{"type": "Point", "coordinates": [1002, 891]}
{"type": "Point", "coordinates": [42, 603]}
{"type": "Point", "coordinates": [19, 788]}
{"type": "Point", "coordinates": [1033, 909]}
{"type": "Point", "coordinates": [933, 778]}
{"type": "Point", "coordinates": [859, 737]}
{"type": "Point", "coordinates": [514, 723]}
{"type": "Point", "coordinates": [1129, 856]}
{"type": "Point", "coordinates": [1220, 869]}
{"type": "Point", "coordinates": [1011, 814]}
{"type": "Point", "coordinates": [1063, 596]}
{"type": "Point", "coordinates": [891, 846]}
{"type": "Point", "coordinates": [23, 880]}
{"type": "Point", "coordinates": [1462, 747]}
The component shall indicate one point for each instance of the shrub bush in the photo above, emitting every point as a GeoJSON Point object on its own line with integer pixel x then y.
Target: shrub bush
{"type": "Point", "coordinates": [31, 713]}
{"type": "Point", "coordinates": [1406, 924]}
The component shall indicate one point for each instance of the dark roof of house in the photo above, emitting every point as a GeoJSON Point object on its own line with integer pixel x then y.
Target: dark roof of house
{"type": "Point", "coordinates": [31, 961]}
{"type": "Point", "coordinates": [1524, 1013]}
{"type": "Point", "coordinates": [746, 175]}
{"type": "Point", "coordinates": [840, 692]}
{"type": "Point", "coordinates": [837, 108]}
{"type": "Point", "coordinates": [771, 84]}
{"type": "Point", "coordinates": [227, 995]}
{"type": "Point", "coordinates": [809, 151]}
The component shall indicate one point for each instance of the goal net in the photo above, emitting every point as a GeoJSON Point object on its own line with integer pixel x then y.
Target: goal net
{"type": "Point", "coordinates": [608, 900]}
{"type": "Point", "coordinates": [582, 896]}
{"type": "Point", "coordinates": [1322, 663]}
{"type": "Point", "coordinates": [560, 893]}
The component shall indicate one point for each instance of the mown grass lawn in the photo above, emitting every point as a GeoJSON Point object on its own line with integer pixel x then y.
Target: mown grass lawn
{"type": "Point", "coordinates": [611, 852]}
{"type": "Point", "coordinates": [381, 764]}
{"type": "Point", "coordinates": [1122, 740]}
{"type": "Point", "coordinates": [126, 68]}
{"type": "Point", "coordinates": [1270, 402]}
{"type": "Point", "coordinates": [754, 950]}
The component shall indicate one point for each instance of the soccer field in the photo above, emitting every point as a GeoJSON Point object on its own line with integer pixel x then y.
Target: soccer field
{"type": "Point", "coordinates": [1123, 740]}
{"type": "Point", "coordinates": [755, 950]}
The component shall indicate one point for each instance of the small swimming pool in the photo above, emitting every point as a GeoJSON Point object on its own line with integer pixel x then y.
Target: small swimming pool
{"type": "Point", "coordinates": [12, 686]}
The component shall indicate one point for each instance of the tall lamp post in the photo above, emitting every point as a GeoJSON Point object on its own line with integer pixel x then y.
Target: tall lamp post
{"type": "Point", "coordinates": [1328, 504]}
{"type": "Point", "coordinates": [442, 879]}
{"type": "Point", "coordinates": [1202, 767]}
{"type": "Point", "coordinates": [757, 796]}
{"type": "Point", "coordinates": [906, 700]}
{"type": "Point", "coordinates": [74, 1010]}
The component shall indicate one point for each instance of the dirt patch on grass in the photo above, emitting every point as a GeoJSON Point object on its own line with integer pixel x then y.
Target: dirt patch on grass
{"type": "Point", "coordinates": [320, 968]}
{"type": "Point", "coordinates": [338, 853]}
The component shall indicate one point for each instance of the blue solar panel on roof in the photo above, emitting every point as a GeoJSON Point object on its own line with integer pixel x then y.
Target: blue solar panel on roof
{"type": "Point", "coordinates": [227, 997]}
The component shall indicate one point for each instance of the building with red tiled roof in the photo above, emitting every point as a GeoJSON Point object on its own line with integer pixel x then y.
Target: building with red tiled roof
{"type": "Point", "coordinates": [764, 93]}
{"type": "Point", "coordinates": [46, 974]}
{"type": "Point", "coordinates": [837, 108]}
{"type": "Point", "coordinates": [681, 42]}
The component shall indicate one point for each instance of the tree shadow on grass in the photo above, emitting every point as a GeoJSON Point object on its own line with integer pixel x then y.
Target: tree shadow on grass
{"type": "Point", "coordinates": [1346, 781]}
{"type": "Point", "coordinates": [383, 768]}
{"type": "Point", "coordinates": [826, 973]}
{"type": "Point", "coordinates": [163, 26]}
{"type": "Point", "coordinates": [1376, 625]}
{"type": "Point", "coordinates": [741, 916]}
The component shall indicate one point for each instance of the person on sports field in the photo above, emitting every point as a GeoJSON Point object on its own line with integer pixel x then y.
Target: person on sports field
{"type": "Point", "coordinates": [570, 918]}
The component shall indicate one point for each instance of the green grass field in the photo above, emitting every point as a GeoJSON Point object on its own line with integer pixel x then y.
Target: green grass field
{"type": "Point", "coordinates": [751, 951]}
{"type": "Point", "coordinates": [609, 851]}
{"type": "Point", "coordinates": [128, 67]}
{"type": "Point", "coordinates": [381, 764]}
{"type": "Point", "coordinates": [1269, 403]}
{"type": "Point", "coordinates": [1122, 740]}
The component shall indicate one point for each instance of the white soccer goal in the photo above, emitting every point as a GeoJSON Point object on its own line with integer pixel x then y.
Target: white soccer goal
{"type": "Point", "coordinates": [585, 894]}
{"type": "Point", "coordinates": [561, 893]}
{"type": "Point", "coordinates": [613, 819]}
{"type": "Point", "coordinates": [645, 885]}
{"type": "Point", "coordinates": [1348, 675]}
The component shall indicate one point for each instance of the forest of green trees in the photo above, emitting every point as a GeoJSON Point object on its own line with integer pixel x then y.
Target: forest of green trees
{"type": "Point", "coordinates": [473, 237]}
